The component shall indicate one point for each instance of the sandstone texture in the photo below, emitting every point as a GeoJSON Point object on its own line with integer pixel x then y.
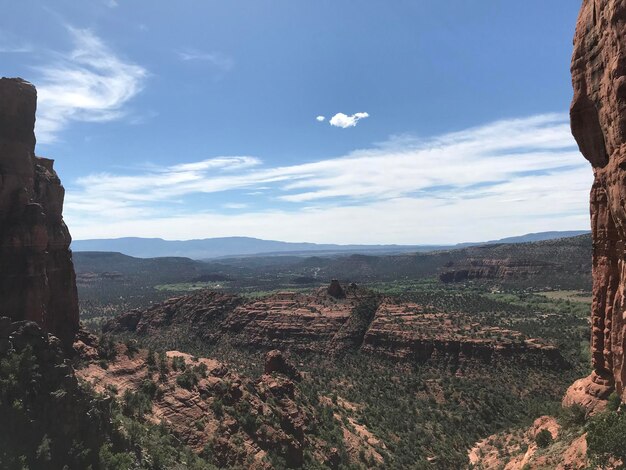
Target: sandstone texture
{"type": "Point", "coordinates": [408, 331]}
{"type": "Point", "coordinates": [598, 121]}
{"type": "Point", "coordinates": [501, 269]}
{"type": "Point", "coordinates": [37, 280]}
{"type": "Point", "coordinates": [239, 419]}
{"type": "Point", "coordinates": [517, 450]}
{"type": "Point", "coordinates": [275, 361]}
{"type": "Point", "coordinates": [318, 322]}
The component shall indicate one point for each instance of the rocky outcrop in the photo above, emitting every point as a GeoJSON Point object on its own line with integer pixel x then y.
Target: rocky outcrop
{"type": "Point", "coordinates": [231, 420]}
{"type": "Point", "coordinates": [518, 449]}
{"type": "Point", "coordinates": [406, 331]}
{"type": "Point", "coordinates": [335, 290]}
{"type": "Point", "coordinates": [37, 280]}
{"type": "Point", "coordinates": [45, 414]}
{"type": "Point", "coordinates": [275, 361]}
{"type": "Point", "coordinates": [500, 269]}
{"type": "Point", "coordinates": [320, 323]}
{"type": "Point", "coordinates": [598, 121]}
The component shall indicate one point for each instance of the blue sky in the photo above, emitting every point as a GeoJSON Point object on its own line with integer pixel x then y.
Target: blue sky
{"type": "Point", "coordinates": [442, 121]}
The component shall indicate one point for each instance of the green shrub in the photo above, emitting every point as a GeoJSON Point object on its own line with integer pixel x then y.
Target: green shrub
{"type": "Point", "coordinates": [151, 361]}
{"type": "Point", "coordinates": [613, 402]}
{"type": "Point", "coordinates": [543, 438]}
{"type": "Point", "coordinates": [178, 363]}
{"type": "Point", "coordinates": [148, 388]}
{"type": "Point", "coordinates": [136, 403]}
{"type": "Point", "coordinates": [106, 348]}
{"type": "Point", "coordinates": [187, 379]}
{"type": "Point", "coordinates": [218, 407]}
{"type": "Point", "coordinates": [573, 416]}
{"type": "Point", "coordinates": [201, 370]}
{"type": "Point", "coordinates": [606, 434]}
{"type": "Point", "coordinates": [131, 347]}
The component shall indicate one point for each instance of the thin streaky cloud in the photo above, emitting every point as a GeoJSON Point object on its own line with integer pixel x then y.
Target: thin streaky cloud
{"type": "Point", "coordinates": [472, 178]}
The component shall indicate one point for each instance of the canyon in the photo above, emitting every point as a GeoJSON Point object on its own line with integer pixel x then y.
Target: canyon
{"type": "Point", "coordinates": [302, 408]}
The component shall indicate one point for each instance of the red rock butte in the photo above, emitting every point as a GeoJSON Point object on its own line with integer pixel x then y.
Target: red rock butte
{"type": "Point", "coordinates": [37, 280]}
{"type": "Point", "coordinates": [598, 120]}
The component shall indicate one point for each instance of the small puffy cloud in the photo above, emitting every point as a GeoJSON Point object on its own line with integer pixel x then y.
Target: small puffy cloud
{"type": "Point", "coordinates": [320, 118]}
{"type": "Point", "coordinates": [344, 121]}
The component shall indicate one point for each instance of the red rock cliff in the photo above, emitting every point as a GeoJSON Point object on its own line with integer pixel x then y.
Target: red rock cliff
{"type": "Point", "coordinates": [598, 118]}
{"type": "Point", "coordinates": [37, 280]}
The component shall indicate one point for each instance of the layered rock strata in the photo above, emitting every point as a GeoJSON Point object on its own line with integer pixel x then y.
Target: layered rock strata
{"type": "Point", "coordinates": [598, 121]}
{"type": "Point", "coordinates": [320, 323]}
{"type": "Point", "coordinates": [37, 280]}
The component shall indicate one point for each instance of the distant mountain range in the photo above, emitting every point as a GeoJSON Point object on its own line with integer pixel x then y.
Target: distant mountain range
{"type": "Point", "coordinates": [209, 248]}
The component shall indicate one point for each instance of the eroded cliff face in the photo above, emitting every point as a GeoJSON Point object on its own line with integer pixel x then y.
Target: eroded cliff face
{"type": "Point", "coordinates": [598, 120]}
{"type": "Point", "coordinates": [37, 280]}
{"type": "Point", "coordinates": [318, 322]}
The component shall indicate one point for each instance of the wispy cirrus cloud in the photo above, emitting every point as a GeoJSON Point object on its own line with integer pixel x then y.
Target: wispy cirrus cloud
{"type": "Point", "coordinates": [494, 180]}
{"type": "Point", "coordinates": [215, 59]}
{"type": "Point", "coordinates": [88, 83]}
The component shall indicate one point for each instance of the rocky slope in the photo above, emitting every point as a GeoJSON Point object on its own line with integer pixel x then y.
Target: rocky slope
{"type": "Point", "coordinates": [319, 322]}
{"type": "Point", "coordinates": [230, 419]}
{"type": "Point", "coordinates": [519, 450]}
{"type": "Point", "coordinates": [37, 280]}
{"type": "Point", "coordinates": [44, 412]}
{"type": "Point", "coordinates": [598, 120]}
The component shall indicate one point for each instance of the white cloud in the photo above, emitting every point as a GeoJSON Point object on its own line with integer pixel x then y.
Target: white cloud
{"type": "Point", "coordinates": [215, 59]}
{"type": "Point", "coordinates": [89, 83]}
{"type": "Point", "coordinates": [504, 178]}
{"type": "Point", "coordinates": [344, 121]}
{"type": "Point", "coordinates": [320, 118]}
{"type": "Point", "coordinates": [235, 205]}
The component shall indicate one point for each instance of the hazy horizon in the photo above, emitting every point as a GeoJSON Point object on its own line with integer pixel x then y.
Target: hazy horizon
{"type": "Point", "coordinates": [330, 243]}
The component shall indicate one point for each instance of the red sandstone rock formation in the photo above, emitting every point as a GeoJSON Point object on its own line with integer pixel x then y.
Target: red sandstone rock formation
{"type": "Point", "coordinates": [335, 290]}
{"type": "Point", "coordinates": [267, 414]}
{"type": "Point", "coordinates": [320, 323]}
{"type": "Point", "coordinates": [37, 280]}
{"type": "Point", "coordinates": [476, 268]}
{"type": "Point", "coordinates": [598, 120]}
{"type": "Point", "coordinates": [275, 361]}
